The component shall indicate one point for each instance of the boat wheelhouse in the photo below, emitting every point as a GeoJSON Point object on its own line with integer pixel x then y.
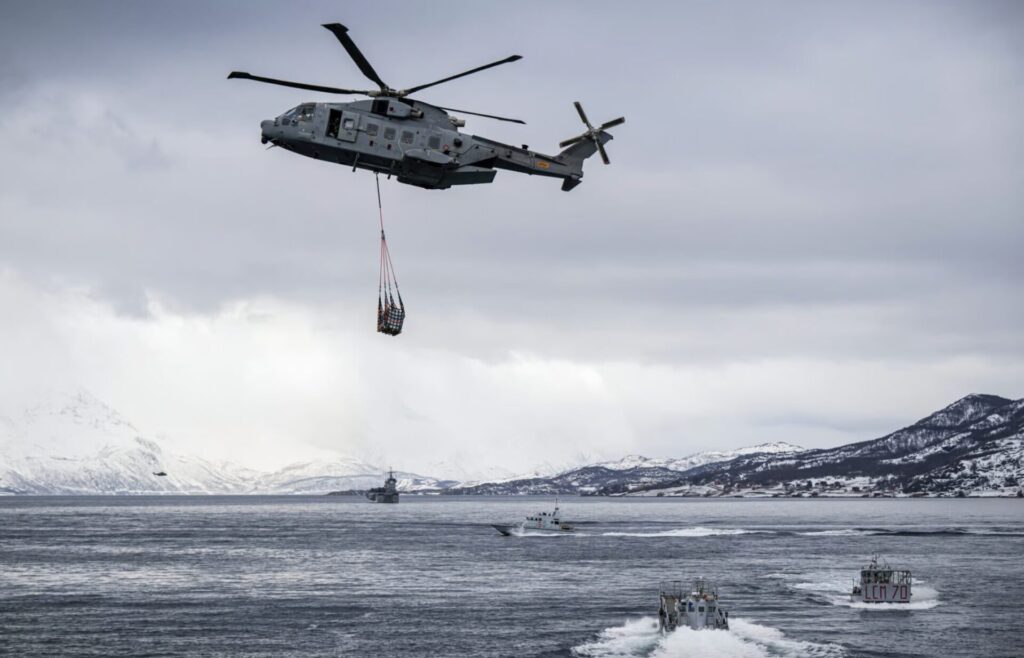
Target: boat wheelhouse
{"type": "Point", "coordinates": [697, 608]}
{"type": "Point", "coordinates": [880, 583]}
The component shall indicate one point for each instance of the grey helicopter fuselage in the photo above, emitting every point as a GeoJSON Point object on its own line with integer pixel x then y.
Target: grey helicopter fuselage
{"type": "Point", "coordinates": [417, 142]}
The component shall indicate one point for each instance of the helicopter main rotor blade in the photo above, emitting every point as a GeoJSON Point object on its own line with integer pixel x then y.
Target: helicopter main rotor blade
{"type": "Point", "coordinates": [613, 122]}
{"type": "Point", "coordinates": [478, 114]}
{"type": "Point", "coordinates": [341, 32]}
{"type": "Point", "coordinates": [297, 85]}
{"type": "Point", "coordinates": [513, 58]}
{"type": "Point", "coordinates": [604, 154]}
{"type": "Point", "coordinates": [583, 115]}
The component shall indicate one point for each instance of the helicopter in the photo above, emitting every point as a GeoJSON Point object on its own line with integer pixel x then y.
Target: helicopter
{"type": "Point", "coordinates": [417, 142]}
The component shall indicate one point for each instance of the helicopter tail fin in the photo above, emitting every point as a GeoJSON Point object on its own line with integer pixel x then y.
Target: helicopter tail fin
{"type": "Point", "coordinates": [583, 149]}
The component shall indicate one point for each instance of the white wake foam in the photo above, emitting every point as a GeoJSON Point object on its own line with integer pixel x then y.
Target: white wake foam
{"type": "Point", "coordinates": [687, 532]}
{"type": "Point", "coordinates": [641, 639]}
{"type": "Point", "coordinates": [636, 637]}
{"type": "Point", "coordinates": [527, 532]}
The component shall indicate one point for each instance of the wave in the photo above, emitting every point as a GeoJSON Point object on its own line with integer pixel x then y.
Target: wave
{"type": "Point", "coordinates": [641, 639]}
{"type": "Point", "coordinates": [689, 532]}
{"type": "Point", "coordinates": [913, 532]}
{"type": "Point", "coordinates": [637, 637]}
{"type": "Point", "coordinates": [526, 532]}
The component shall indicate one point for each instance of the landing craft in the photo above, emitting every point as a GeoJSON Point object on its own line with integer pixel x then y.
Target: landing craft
{"type": "Point", "coordinates": [417, 142]}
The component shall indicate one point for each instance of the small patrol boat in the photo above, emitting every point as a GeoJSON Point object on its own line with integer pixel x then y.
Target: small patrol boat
{"type": "Point", "coordinates": [880, 583]}
{"type": "Point", "coordinates": [698, 608]}
{"type": "Point", "coordinates": [541, 522]}
{"type": "Point", "coordinates": [386, 494]}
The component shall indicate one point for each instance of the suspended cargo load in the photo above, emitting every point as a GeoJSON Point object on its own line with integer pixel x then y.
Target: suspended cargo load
{"type": "Point", "coordinates": [390, 315]}
{"type": "Point", "coordinates": [390, 308]}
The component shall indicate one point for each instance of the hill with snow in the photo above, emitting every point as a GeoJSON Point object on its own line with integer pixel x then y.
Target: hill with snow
{"type": "Point", "coordinates": [75, 444]}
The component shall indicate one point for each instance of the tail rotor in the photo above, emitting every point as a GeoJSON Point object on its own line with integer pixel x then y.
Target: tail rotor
{"type": "Point", "coordinates": [592, 133]}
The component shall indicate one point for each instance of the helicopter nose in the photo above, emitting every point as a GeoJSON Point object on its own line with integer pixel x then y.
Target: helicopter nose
{"type": "Point", "coordinates": [265, 127]}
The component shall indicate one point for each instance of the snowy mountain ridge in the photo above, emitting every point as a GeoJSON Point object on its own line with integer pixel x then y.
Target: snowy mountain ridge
{"type": "Point", "coordinates": [75, 444]}
{"type": "Point", "coordinates": [974, 446]}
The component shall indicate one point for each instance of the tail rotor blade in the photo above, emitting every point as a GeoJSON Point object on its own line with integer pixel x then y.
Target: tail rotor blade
{"type": "Point", "coordinates": [583, 115]}
{"type": "Point", "coordinates": [612, 123]}
{"type": "Point", "coordinates": [572, 140]}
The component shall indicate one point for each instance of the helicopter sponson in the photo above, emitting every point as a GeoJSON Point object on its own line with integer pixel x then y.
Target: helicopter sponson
{"type": "Point", "coordinates": [417, 142]}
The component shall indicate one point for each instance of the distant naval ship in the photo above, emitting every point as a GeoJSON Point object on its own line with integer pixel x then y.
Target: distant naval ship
{"type": "Point", "coordinates": [386, 494]}
{"type": "Point", "coordinates": [880, 583]}
{"type": "Point", "coordinates": [542, 522]}
{"type": "Point", "coordinates": [697, 608]}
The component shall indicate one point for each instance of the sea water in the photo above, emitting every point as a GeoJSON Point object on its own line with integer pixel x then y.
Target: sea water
{"type": "Point", "coordinates": [339, 576]}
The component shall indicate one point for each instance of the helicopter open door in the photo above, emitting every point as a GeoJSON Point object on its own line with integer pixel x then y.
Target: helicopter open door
{"type": "Point", "coordinates": [342, 125]}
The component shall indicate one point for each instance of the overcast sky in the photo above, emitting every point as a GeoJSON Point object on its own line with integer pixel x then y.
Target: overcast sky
{"type": "Point", "coordinates": [812, 229]}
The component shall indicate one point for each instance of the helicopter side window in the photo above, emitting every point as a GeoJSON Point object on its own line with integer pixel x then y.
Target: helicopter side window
{"type": "Point", "coordinates": [407, 136]}
{"type": "Point", "coordinates": [371, 129]}
{"type": "Point", "coordinates": [434, 142]}
{"type": "Point", "coordinates": [389, 134]}
{"type": "Point", "coordinates": [306, 112]}
{"type": "Point", "coordinates": [380, 106]}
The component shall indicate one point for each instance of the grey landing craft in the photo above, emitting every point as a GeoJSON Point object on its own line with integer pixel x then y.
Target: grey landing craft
{"type": "Point", "coordinates": [697, 608]}
{"type": "Point", "coordinates": [542, 522]}
{"type": "Point", "coordinates": [880, 583]}
{"type": "Point", "coordinates": [386, 494]}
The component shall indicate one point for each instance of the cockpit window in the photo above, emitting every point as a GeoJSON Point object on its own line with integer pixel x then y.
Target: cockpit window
{"type": "Point", "coordinates": [301, 113]}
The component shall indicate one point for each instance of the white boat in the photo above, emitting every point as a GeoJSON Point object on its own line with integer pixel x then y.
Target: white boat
{"type": "Point", "coordinates": [698, 608]}
{"type": "Point", "coordinates": [543, 522]}
{"type": "Point", "coordinates": [880, 583]}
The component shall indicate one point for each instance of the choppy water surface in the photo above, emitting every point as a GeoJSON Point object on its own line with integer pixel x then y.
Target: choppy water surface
{"type": "Point", "coordinates": [339, 576]}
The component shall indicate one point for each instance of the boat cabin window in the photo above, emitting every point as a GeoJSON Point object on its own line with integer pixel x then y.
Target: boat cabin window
{"type": "Point", "coordinates": [700, 609]}
{"type": "Point", "coordinates": [407, 136]}
{"type": "Point", "coordinates": [389, 133]}
{"type": "Point", "coordinates": [371, 129]}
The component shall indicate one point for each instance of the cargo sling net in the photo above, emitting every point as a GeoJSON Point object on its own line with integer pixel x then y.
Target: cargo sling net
{"type": "Point", "coordinates": [390, 314]}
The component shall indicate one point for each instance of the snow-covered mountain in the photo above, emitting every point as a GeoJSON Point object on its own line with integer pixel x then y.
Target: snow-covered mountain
{"type": "Point", "coordinates": [698, 459]}
{"type": "Point", "coordinates": [633, 471]}
{"type": "Point", "coordinates": [975, 446]}
{"type": "Point", "coordinates": [344, 474]}
{"type": "Point", "coordinates": [73, 443]}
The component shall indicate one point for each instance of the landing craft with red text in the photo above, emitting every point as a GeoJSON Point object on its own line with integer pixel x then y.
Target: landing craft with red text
{"type": "Point", "coordinates": [417, 142]}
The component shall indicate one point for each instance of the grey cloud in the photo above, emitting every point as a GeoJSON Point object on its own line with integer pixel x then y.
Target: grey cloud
{"type": "Point", "coordinates": [828, 181]}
